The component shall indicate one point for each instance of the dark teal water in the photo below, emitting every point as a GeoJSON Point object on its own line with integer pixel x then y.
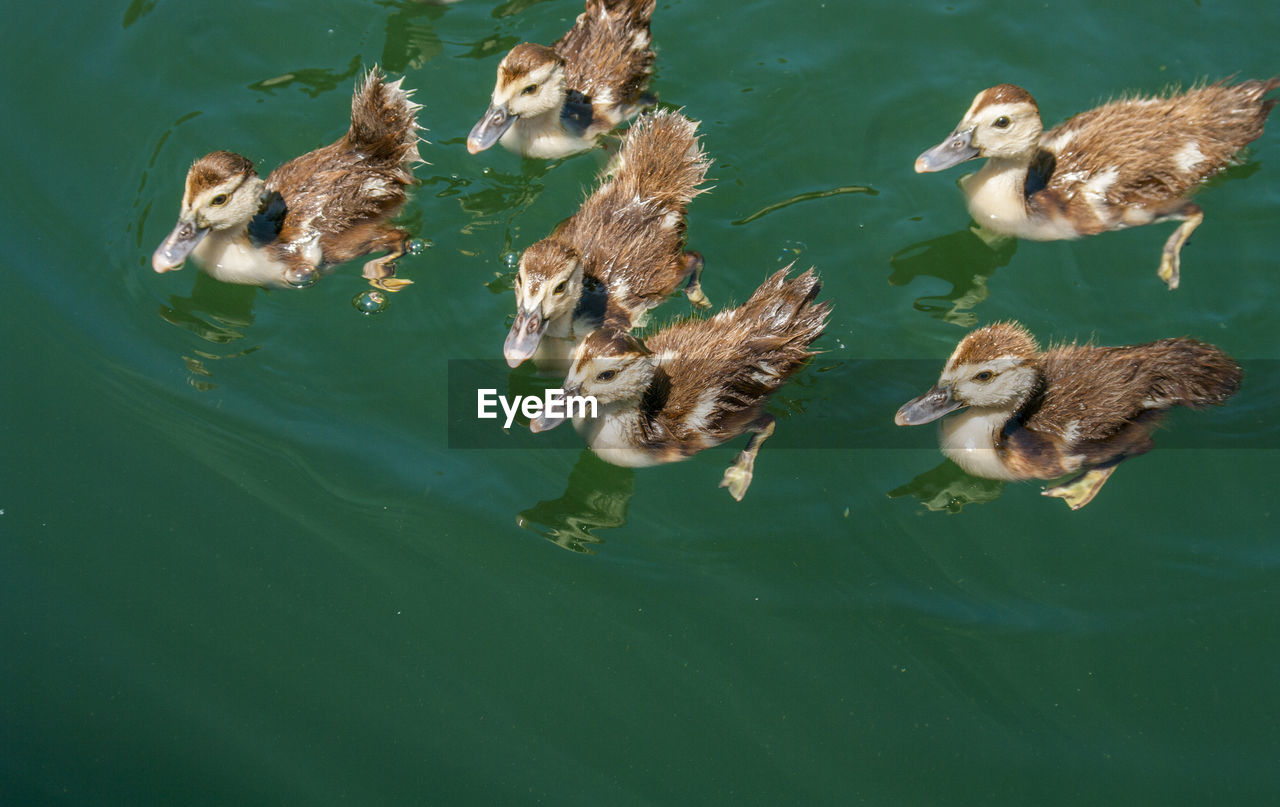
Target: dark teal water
{"type": "Point", "coordinates": [241, 564]}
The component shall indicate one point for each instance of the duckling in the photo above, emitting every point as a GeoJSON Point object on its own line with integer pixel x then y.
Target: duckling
{"type": "Point", "coordinates": [552, 102]}
{"type": "Point", "coordinates": [622, 253]}
{"type": "Point", "coordinates": [1034, 415]}
{"type": "Point", "coordinates": [695, 384]}
{"type": "Point", "coordinates": [1124, 164]}
{"type": "Point", "coordinates": [326, 207]}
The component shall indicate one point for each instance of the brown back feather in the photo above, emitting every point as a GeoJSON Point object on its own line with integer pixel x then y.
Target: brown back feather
{"type": "Point", "coordinates": [601, 53]}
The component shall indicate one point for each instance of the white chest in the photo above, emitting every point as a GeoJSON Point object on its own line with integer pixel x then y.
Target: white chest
{"type": "Point", "coordinates": [235, 260]}
{"type": "Point", "coordinates": [614, 437]}
{"type": "Point", "coordinates": [544, 138]}
{"type": "Point", "coordinates": [997, 201]}
{"type": "Point", "coordinates": [969, 440]}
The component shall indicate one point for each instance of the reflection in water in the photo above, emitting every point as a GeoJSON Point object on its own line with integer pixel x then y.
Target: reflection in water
{"type": "Point", "coordinates": [216, 312]}
{"type": "Point", "coordinates": [411, 37]}
{"type": "Point", "coordinates": [137, 10]}
{"type": "Point", "coordinates": [314, 81]}
{"type": "Point", "coordinates": [965, 259]}
{"type": "Point", "coordinates": [949, 488]}
{"type": "Point", "coordinates": [595, 498]}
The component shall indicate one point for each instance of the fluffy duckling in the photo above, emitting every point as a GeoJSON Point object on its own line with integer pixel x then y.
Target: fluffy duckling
{"type": "Point", "coordinates": [622, 253]}
{"type": "Point", "coordinates": [695, 384]}
{"type": "Point", "coordinates": [326, 207]}
{"type": "Point", "coordinates": [1124, 164]}
{"type": "Point", "coordinates": [1034, 415]}
{"type": "Point", "coordinates": [553, 102]}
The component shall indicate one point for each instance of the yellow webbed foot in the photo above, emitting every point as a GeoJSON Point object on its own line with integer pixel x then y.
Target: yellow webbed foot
{"type": "Point", "coordinates": [391, 284]}
{"type": "Point", "coordinates": [1081, 490]}
{"type": "Point", "coordinates": [737, 479]}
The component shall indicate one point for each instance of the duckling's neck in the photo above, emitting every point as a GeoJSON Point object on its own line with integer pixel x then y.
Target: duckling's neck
{"type": "Point", "coordinates": [999, 201]}
{"type": "Point", "coordinates": [541, 136]}
{"type": "Point", "coordinates": [972, 439]}
{"type": "Point", "coordinates": [617, 435]}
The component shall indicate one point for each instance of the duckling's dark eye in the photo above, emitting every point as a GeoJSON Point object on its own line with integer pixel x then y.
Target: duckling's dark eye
{"type": "Point", "coordinates": [530, 90]}
{"type": "Point", "coordinates": [606, 375]}
{"type": "Point", "coordinates": [1001, 122]}
{"type": "Point", "coordinates": [219, 200]}
{"type": "Point", "coordinates": [984, 376]}
{"type": "Point", "coordinates": [559, 289]}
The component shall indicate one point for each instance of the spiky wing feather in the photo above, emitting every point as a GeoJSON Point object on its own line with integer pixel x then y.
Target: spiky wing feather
{"type": "Point", "coordinates": [1095, 392]}
{"type": "Point", "coordinates": [1147, 143]}
{"type": "Point", "coordinates": [722, 369]}
{"type": "Point", "coordinates": [357, 180]}
{"type": "Point", "coordinates": [630, 232]}
{"type": "Point", "coordinates": [606, 53]}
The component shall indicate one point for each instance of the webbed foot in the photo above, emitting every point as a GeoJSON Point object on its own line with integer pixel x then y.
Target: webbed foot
{"type": "Point", "coordinates": [1191, 216]}
{"type": "Point", "coordinates": [693, 290]}
{"type": "Point", "coordinates": [737, 477]}
{"type": "Point", "coordinates": [1080, 491]}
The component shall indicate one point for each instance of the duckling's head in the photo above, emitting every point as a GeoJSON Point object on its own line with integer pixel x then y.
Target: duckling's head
{"type": "Point", "coordinates": [530, 83]}
{"type": "Point", "coordinates": [992, 368]}
{"type": "Point", "coordinates": [548, 287]}
{"type": "Point", "coordinates": [223, 192]}
{"type": "Point", "coordinates": [611, 366]}
{"type": "Point", "coordinates": [1003, 122]}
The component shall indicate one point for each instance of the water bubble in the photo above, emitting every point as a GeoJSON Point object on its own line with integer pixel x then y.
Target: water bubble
{"type": "Point", "coordinates": [417, 246]}
{"type": "Point", "coordinates": [300, 278]}
{"type": "Point", "coordinates": [370, 302]}
{"type": "Point", "coordinates": [511, 259]}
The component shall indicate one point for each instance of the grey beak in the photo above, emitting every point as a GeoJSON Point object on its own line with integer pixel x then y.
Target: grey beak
{"type": "Point", "coordinates": [525, 335]}
{"type": "Point", "coordinates": [927, 408]}
{"type": "Point", "coordinates": [173, 252]}
{"type": "Point", "coordinates": [490, 128]}
{"type": "Point", "coordinates": [957, 148]}
{"type": "Point", "coordinates": [546, 422]}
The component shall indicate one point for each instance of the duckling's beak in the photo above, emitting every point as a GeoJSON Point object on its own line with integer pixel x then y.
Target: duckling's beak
{"type": "Point", "coordinates": [526, 333]}
{"type": "Point", "coordinates": [546, 422]}
{"type": "Point", "coordinates": [954, 150]}
{"type": "Point", "coordinates": [489, 129]}
{"type": "Point", "coordinates": [174, 250]}
{"type": "Point", "coordinates": [928, 407]}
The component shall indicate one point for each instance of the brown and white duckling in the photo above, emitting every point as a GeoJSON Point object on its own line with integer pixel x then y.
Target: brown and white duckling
{"type": "Point", "coordinates": [1124, 164]}
{"type": "Point", "coordinates": [553, 102]}
{"type": "Point", "coordinates": [622, 253]}
{"type": "Point", "coordinates": [698, 383]}
{"type": "Point", "coordinates": [1033, 415]}
{"type": "Point", "coordinates": [326, 207]}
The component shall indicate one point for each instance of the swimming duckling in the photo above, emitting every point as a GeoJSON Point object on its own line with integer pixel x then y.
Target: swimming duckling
{"type": "Point", "coordinates": [1034, 415]}
{"type": "Point", "coordinates": [553, 102]}
{"type": "Point", "coordinates": [326, 207]}
{"type": "Point", "coordinates": [1124, 164]}
{"type": "Point", "coordinates": [622, 253]}
{"type": "Point", "coordinates": [698, 383]}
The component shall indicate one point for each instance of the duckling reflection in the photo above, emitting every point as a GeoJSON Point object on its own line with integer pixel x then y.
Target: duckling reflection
{"type": "Point", "coordinates": [948, 488]}
{"type": "Point", "coordinates": [622, 253]}
{"type": "Point", "coordinates": [219, 314]}
{"type": "Point", "coordinates": [1124, 164]}
{"type": "Point", "coordinates": [963, 259]}
{"type": "Point", "coordinates": [595, 498]}
{"type": "Point", "coordinates": [318, 210]}
{"type": "Point", "coordinates": [1071, 409]}
{"type": "Point", "coordinates": [697, 383]}
{"type": "Point", "coordinates": [552, 102]}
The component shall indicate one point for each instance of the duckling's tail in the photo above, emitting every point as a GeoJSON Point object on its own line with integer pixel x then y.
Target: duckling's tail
{"type": "Point", "coordinates": [786, 306]}
{"type": "Point", "coordinates": [1190, 373]}
{"type": "Point", "coordinates": [661, 160]}
{"type": "Point", "coordinates": [384, 123]}
{"type": "Point", "coordinates": [638, 12]}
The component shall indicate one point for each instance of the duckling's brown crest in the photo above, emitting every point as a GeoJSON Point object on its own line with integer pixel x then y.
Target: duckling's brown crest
{"type": "Point", "coordinates": [215, 168]}
{"type": "Point", "coordinates": [995, 341]}
{"type": "Point", "coordinates": [384, 120]}
{"type": "Point", "coordinates": [1003, 94]}
{"type": "Point", "coordinates": [523, 59]}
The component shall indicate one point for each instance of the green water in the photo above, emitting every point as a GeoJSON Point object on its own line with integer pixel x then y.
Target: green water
{"type": "Point", "coordinates": [240, 562]}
